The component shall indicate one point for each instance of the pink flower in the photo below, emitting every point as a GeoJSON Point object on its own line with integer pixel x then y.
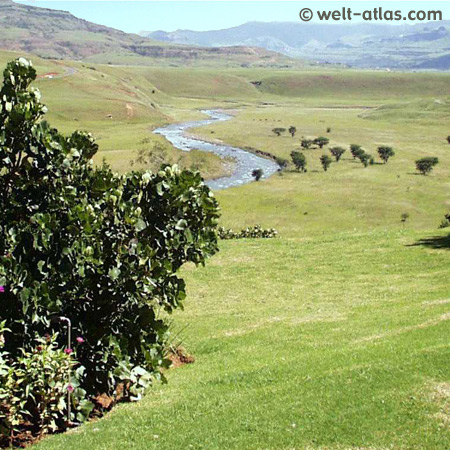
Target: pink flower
{"type": "Point", "coordinates": [68, 351]}
{"type": "Point", "coordinates": [2, 289]}
{"type": "Point", "coordinates": [70, 388]}
{"type": "Point", "coordinates": [80, 340]}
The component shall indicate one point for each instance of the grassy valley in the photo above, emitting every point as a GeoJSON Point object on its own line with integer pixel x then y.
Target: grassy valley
{"type": "Point", "coordinates": [332, 336]}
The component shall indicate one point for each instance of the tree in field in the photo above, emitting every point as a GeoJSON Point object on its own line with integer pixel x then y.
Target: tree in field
{"type": "Point", "coordinates": [328, 130]}
{"type": "Point", "coordinates": [337, 152]}
{"type": "Point", "coordinates": [365, 158]}
{"type": "Point", "coordinates": [404, 217]}
{"type": "Point", "coordinates": [321, 141]}
{"type": "Point", "coordinates": [101, 249]}
{"type": "Point", "coordinates": [448, 139]}
{"type": "Point", "coordinates": [425, 165]}
{"type": "Point", "coordinates": [325, 161]}
{"type": "Point", "coordinates": [306, 143]}
{"type": "Point", "coordinates": [355, 149]}
{"type": "Point", "coordinates": [278, 130]}
{"type": "Point", "coordinates": [292, 130]}
{"type": "Point", "coordinates": [299, 160]}
{"type": "Point", "coordinates": [385, 153]}
{"type": "Point", "coordinates": [257, 174]}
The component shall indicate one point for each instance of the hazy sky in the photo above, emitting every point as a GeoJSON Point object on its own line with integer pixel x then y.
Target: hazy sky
{"type": "Point", "coordinates": [134, 16]}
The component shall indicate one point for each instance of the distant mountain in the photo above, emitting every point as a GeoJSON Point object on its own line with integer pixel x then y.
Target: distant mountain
{"type": "Point", "coordinates": [403, 46]}
{"type": "Point", "coordinates": [57, 34]}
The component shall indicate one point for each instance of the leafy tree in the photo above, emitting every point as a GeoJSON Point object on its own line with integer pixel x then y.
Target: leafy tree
{"type": "Point", "coordinates": [292, 130]}
{"type": "Point", "coordinates": [278, 130]}
{"type": "Point", "coordinates": [328, 130]}
{"type": "Point", "coordinates": [321, 141]}
{"type": "Point", "coordinates": [96, 247]}
{"type": "Point", "coordinates": [365, 158]}
{"type": "Point", "coordinates": [385, 153]}
{"type": "Point", "coordinates": [306, 143]}
{"type": "Point", "coordinates": [355, 150]}
{"type": "Point", "coordinates": [448, 139]}
{"type": "Point", "coordinates": [299, 160]}
{"type": "Point", "coordinates": [326, 162]}
{"type": "Point", "coordinates": [425, 165]}
{"type": "Point", "coordinates": [257, 174]}
{"type": "Point", "coordinates": [337, 152]}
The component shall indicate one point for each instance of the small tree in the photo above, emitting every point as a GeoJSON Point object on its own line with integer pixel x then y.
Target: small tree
{"type": "Point", "coordinates": [292, 130]}
{"type": "Point", "coordinates": [337, 152]}
{"type": "Point", "coordinates": [299, 160]}
{"type": "Point", "coordinates": [306, 143]}
{"type": "Point", "coordinates": [278, 130]}
{"type": "Point", "coordinates": [257, 174]}
{"type": "Point", "coordinates": [448, 139]}
{"type": "Point", "coordinates": [355, 150]}
{"type": "Point", "coordinates": [425, 165]}
{"type": "Point", "coordinates": [385, 153]}
{"type": "Point", "coordinates": [326, 162]}
{"type": "Point", "coordinates": [321, 141]}
{"type": "Point", "coordinates": [365, 158]}
{"type": "Point", "coordinates": [328, 130]}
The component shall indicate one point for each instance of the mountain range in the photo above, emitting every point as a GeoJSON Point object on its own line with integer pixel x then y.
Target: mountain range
{"type": "Point", "coordinates": [367, 45]}
{"type": "Point", "coordinates": [55, 34]}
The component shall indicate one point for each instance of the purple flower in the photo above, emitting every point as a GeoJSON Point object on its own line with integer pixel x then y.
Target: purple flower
{"type": "Point", "coordinates": [80, 340]}
{"type": "Point", "coordinates": [68, 351]}
{"type": "Point", "coordinates": [70, 388]}
{"type": "Point", "coordinates": [2, 289]}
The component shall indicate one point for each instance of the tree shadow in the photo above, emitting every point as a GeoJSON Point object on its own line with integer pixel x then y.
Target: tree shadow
{"type": "Point", "coordinates": [437, 242]}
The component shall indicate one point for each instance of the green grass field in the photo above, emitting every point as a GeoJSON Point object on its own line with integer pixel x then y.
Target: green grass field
{"type": "Point", "coordinates": [335, 335]}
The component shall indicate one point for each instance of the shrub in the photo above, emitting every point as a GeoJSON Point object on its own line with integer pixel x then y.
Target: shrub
{"type": "Point", "coordinates": [365, 158]}
{"type": "Point", "coordinates": [328, 130]}
{"type": "Point", "coordinates": [278, 131]}
{"type": "Point", "coordinates": [299, 161]}
{"type": "Point", "coordinates": [425, 165]}
{"type": "Point", "coordinates": [255, 232]}
{"type": "Point", "coordinates": [36, 387]}
{"type": "Point", "coordinates": [385, 153]}
{"type": "Point", "coordinates": [326, 162]}
{"type": "Point", "coordinates": [337, 152]}
{"type": "Point", "coordinates": [99, 248]}
{"type": "Point", "coordinates": [292, 130]}
{"type": "Point", "coordinates": [306, 143]}
{"type": "Point", "coordinates": [448, 139]}
{"type": "Point", "coordinates": [257, 174]}
{"type": "Point", "coordinates": [321, 141]}
{"type": "Point", "coordinates": [355, 150]}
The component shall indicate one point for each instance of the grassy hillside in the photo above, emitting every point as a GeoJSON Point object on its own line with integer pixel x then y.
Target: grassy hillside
{"type": "Point", "coordinates": [56, 34]}
{"type": "Point", "coordinates": [333, 336]}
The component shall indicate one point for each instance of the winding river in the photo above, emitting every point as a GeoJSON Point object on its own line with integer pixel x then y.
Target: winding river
{"type": "Point", "coordinates": [245, 162]}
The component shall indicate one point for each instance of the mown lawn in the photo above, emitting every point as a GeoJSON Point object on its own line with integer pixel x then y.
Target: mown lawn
{"type": "Point", "coordinates": [333, 342]}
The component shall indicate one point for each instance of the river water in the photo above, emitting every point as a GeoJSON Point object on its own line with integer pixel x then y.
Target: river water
{"type": "Point", "coordinates": [245, 162]}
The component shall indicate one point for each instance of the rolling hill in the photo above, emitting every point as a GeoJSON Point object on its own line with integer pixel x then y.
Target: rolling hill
{"type": "Point", "coordinates": [57, 34]}
{"type": "Point", "coordinates": [425, 45]}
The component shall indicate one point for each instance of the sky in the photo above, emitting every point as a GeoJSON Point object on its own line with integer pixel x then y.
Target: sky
{"type": "Point", "coordinates": [136, 16]}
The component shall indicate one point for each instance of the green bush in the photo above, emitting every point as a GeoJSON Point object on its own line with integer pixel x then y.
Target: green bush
{"type": "Point", "coordinates": [321, 141]}
{"type": "Point", "coordinates": [385, 152]}
{"type": "Point", "coordinates": [299, 160]}
{"type": "Point", "coordinates": [34, 390]}
{"type": "Point", "coordinates": [325, 160]}
{"type": "Point", "coordinates": [255, 232]}
{"type": "Point", "coordinates": [99, 248]}
{"type": "Point", "coordinates": [257, 174]}
{"type": "Point", "coordinates": [355, 150]}
{"type": "Point", "coordinates": [337, 152]}
{"type": "Point", "coordinates": [425, 165]}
